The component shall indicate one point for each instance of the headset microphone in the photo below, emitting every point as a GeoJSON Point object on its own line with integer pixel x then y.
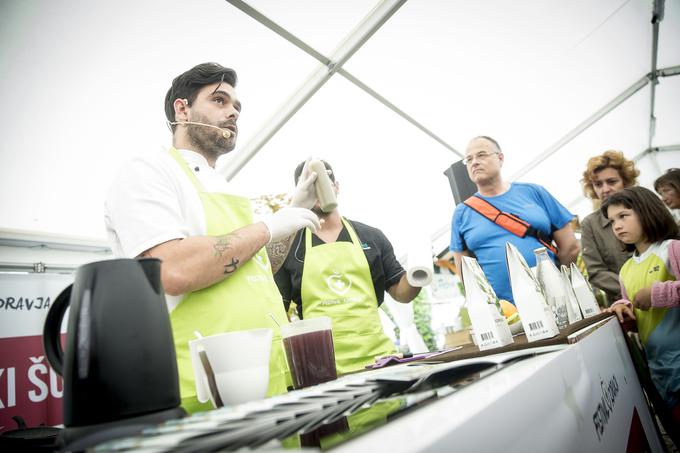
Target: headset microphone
{"type": "Point", "coordinates": [226, 133]}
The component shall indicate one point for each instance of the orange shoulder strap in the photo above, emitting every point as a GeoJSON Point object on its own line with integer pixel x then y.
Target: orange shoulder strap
{"type": "Point", "coordinates": [509, 222]}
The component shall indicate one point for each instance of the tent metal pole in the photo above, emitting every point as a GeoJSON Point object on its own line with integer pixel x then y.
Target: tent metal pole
{"type": "Point", "coordinates": [48, 241]}
{"type": "Point", "coordinates": [611, 105]}
{"type": "Point", "coordinates": [300, 44]}
{"type": "Point", "coordinates": [357, 38]}
{"type": "Point", "coordinates": [669, 71]}
{"type": "Point", "coordinates": [37, 268]}
{"type": "Point", "coordinates": [326, 61]}
{"type": "Point", "coordinates": [398, 111]}
{"type": "Point", "coordinates": [667, 148]}
{"type": "Point", "coordinates": [657, 17]}
{"type": "Point", "coordinates": [279, 30]}
{"type": "Point", "coordinates": [652, 152]}
{"type": "Point", "coordinates": [656, 149]}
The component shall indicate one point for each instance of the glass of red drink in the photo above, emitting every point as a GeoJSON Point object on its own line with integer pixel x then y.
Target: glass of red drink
{"type": "Point", "coordinates": [309, 350]}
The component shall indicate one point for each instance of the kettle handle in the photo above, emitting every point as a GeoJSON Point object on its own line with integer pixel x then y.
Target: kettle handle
{"type": "Point", "coordinates": [51, 330]}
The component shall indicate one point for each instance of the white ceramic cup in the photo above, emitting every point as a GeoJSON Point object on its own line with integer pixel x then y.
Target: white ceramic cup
{"type": "Point", "coordinates": [239, 361]}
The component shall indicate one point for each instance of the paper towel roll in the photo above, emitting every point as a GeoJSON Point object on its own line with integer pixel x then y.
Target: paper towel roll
{"type": "Point", "coordinates": [420, 269]}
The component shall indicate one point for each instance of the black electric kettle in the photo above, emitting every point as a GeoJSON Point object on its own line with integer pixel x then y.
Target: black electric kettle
{"type": "Point", "coordinates": [119, 366]}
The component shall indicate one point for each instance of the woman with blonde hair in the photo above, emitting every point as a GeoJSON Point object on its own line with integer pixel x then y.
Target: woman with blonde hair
{"type": "Point", "coordinates": [602, 252]}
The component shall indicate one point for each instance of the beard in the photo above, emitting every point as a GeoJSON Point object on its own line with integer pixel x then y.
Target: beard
{"type": "Point", "coordinates": [208, 140]}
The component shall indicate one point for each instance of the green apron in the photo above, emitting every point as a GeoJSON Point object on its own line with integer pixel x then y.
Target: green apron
{"type": "Point", "coordinates": [336, 282]}
{"type": "Point", "coordinates": [638, 275]}
{"type": "Point", "coordinates": [242, 301]}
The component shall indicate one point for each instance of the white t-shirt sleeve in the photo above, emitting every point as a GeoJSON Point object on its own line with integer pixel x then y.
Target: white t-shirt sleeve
{"type": "Point", "coordinates": [143, 208]}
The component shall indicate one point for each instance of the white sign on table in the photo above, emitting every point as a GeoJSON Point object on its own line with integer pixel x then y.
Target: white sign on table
{"type": "Point", "coordinates": [491, 329]}
{"type": "Point", "coordinates": [573, 309]}
{"type": "Point", "coordinates": [584, 293]}
{"type": "Point", "coordinates": [536, 315]}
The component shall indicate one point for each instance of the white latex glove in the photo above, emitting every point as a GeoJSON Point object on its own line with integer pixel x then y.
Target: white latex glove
{"type": "Point", "coordinates": [305, 192]}
{"type": "Point", "coordinates": [287, 221]}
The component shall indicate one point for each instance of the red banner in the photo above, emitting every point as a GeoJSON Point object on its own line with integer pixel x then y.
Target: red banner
{"type": "Point", "coordinates": [29, 387]}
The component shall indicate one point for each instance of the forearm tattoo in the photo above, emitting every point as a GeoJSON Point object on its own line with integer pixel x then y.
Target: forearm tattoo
{"type": "Point", "coordinates": [221, 246]}
{"type": "Point", "coordinates": [231, 267]}
{"type": "Point", "coordinates": [278, 251]}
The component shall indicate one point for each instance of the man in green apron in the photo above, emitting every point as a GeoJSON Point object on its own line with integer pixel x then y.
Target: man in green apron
{"type": "Point", "coordinates": [342, 272]}
{"type": "Point", "coordinates": [176, 207]}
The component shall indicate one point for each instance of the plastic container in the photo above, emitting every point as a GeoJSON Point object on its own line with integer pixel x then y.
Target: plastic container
{"type": "Point", "coordinates": [325, 189]}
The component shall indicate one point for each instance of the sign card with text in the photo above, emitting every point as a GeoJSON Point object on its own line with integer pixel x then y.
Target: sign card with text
{"type": "Point", "coordinates": [536, 315]}
{"type": "Point", "coordinates": [573, 309]}
{"type": "Point", "coordinates": [491, 329]}
{"type": "Point", "coordinates": [584, 293]}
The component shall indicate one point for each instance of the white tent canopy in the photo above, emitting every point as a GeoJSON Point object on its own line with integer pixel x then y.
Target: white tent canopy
{"type": "Point", "coordinates": [384, 91]}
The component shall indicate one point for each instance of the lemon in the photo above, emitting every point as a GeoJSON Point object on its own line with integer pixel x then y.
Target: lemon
{"type": "Point", "coordinates": [507, 308]}
{"type": "Point", "coordinates": [513, 318]}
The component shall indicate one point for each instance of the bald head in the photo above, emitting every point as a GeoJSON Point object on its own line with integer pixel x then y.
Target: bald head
{"type": "Point", "coordinates": [489, 140]}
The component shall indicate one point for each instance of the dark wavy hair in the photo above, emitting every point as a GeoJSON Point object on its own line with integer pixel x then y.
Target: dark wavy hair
{"type": "Point", "coordinates": [609, 159]}
{"type": "Point", "coordinates": [656, 222]}
{"type": "Point", "coordinates": [188, 84]}
{"type": "Point", "coordinates": [670, 178]}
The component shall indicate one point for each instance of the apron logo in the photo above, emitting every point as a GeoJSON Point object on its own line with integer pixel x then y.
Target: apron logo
{"type": "Point", "coordinates": [261, 261]}
{"type": "Point", "coordinates": [339, 284]}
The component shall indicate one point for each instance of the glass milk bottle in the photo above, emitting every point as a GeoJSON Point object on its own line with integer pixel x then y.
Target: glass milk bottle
{"type": "Point", "coordinates": [553, 288]}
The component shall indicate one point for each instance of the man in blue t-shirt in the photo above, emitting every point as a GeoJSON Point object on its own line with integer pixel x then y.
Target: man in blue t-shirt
{"type": "Point", "coordinates": [474, 235]}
